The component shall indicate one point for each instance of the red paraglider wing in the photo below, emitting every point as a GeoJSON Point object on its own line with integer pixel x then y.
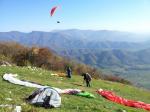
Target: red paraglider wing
{"type": "Point", "coordinates": [53, 10]}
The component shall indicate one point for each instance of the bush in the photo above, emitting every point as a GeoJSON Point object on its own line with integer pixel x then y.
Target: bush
{"type": "Point", "coordinates": [114, 78]}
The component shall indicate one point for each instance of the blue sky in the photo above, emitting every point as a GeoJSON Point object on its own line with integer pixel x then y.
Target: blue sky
{"type": "Point", "coordinates": [33, 15]}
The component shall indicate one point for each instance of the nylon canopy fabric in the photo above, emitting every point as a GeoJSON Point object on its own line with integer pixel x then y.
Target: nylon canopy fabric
{"type": "Point", "coordinates": [53, 10]}
{"type": "Point", "coordinates": [85, 94]}
{"type": "Point", "coordinates": [117, 99]}
{"type": "Point", "coordinates": [12, 78]}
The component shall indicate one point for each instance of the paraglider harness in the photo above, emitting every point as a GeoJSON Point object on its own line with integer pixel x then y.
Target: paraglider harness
{"type": "Point", "coordinates": [46, 99]}
{"type": "Point", "coordinates": [46, 102]}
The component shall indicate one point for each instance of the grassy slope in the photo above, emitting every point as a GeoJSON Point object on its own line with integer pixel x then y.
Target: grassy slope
{"type": "Point", "coordinates": [70, 103]}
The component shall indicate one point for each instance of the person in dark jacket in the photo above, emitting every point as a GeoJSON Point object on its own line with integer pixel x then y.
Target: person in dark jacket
{"type": "Point", "coordinates": [68, 72]}
{"type": "Point", "coordinates": [87, 78]}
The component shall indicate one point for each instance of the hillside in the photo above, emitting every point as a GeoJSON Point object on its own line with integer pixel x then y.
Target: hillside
{"type": "Point", "coordinates": [101, 48]}
{"type": "Point", "coordinates": [131, 65]}
{"type": "Point", "coordinates": [45, 58]}
{"type": "Point", "coordinates": [109, 58]}
{"type": "Point", "coordinates": [121, 53]}
{"type": "Point", "coordinates": [70, 103]}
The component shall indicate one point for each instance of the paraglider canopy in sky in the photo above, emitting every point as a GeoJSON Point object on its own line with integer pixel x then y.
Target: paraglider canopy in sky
{"type": "Point", "coordinates": [52, 11]}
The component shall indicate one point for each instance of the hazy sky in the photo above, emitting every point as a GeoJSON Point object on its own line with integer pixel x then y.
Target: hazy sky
{"type": "Point", "coordinates": [29, 15]}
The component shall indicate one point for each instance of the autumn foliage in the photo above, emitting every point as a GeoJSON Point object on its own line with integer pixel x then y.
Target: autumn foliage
{"type": "Point", "coordinates": [46, 59]}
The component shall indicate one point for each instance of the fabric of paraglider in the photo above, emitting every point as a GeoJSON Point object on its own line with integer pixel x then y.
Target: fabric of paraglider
{"type": "Point", "coordinates": [71, 91]}
{"type": "Point", "coordinates": [131, 103]}
{"type": "Point", "coordinates": [85, 94]}
{"type": "Point", "coordinates": [53, 10]}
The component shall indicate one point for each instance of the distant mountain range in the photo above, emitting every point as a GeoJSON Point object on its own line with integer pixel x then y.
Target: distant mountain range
{"type": "Point", "coordinates": [121, 53]}
{"type": "Point", "coordinates": [98, 48]}
{"type": "Point", "coordinates": [109, 58]}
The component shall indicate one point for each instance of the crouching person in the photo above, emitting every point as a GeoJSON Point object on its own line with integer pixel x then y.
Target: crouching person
{"type": "Point", "coordinates": [87, 78]}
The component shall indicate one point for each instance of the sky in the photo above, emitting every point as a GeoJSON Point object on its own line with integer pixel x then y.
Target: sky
{"type": "Point", "coordinates": [33, 15]}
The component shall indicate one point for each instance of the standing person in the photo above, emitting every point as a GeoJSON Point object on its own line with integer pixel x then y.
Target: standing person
{"type": "Point", "coordinates": [68, 72]}
{"type": "Point", "coordinates": [87, 78]}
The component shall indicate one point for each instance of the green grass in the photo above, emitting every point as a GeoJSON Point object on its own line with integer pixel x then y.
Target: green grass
{"type": "Point", "coordinates": [70, 103]}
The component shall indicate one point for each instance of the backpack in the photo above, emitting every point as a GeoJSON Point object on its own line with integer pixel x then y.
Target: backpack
{"type": "Point", "coordinates": [45, 97]}
{"type": "Point", "coordinates": [89, 78]}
